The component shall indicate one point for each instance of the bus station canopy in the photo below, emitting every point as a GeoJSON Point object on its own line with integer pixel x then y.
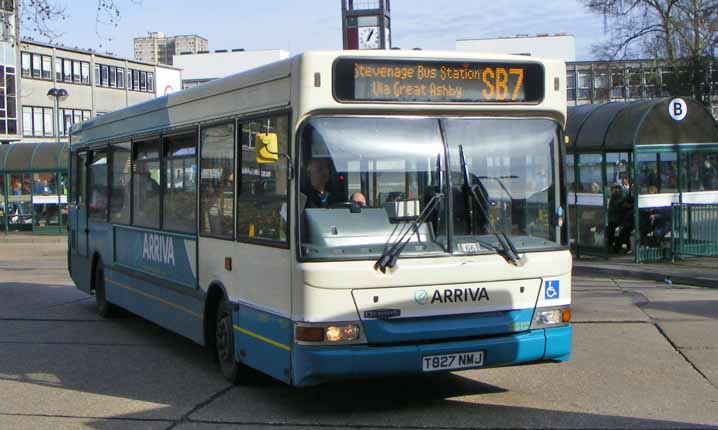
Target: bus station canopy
{"type": "Point", "coordinates": [621, 126]}
{"type": "Point", "coordinates": [33, 157]}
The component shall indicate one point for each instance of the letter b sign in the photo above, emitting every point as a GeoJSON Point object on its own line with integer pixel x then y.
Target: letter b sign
{"type": "Point", "coordinates": [677, 109]}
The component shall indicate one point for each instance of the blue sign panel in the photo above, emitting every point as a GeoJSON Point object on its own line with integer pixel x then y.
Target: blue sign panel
{"type": "Point", "coordinates": [551, 290]}
{"type": "Point", "coordinates": [163, 255]}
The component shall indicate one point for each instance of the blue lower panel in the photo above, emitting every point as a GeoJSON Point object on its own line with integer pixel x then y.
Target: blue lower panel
{"type": "Point", "coordinates": [179, 313]}
{"type": "Point", "coordinates": [263, 341]}
{"type": "Point", "coordinates": [447, 326]}
{"type": "Point", "coordinates": [314, 365]}
{"type": "Point", "coordinates": [558, 343]}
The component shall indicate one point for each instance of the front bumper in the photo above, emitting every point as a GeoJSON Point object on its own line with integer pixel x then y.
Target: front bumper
{"type": "Point", "coordinates": [313, 365]}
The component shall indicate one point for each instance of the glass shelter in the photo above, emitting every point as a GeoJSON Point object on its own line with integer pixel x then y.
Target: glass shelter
{"type": "Point", "coordinates": [642, 178]}
{"type": "Point", "coordinates": [33, 187]}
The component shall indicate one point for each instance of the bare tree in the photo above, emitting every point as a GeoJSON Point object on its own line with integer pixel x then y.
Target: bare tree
{"type": "Point", "coordinates": [678, 33]}
{"type": "Point", "coordinates": [42, 18]}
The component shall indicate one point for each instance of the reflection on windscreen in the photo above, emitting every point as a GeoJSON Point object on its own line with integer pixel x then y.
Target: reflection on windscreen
{"type": "Point", "coordinates": [364, 180]}
{"type": "Point", "coordinates": [509, 164]}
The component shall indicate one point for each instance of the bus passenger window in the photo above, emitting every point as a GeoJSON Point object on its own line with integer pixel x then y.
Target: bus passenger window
{"type": "Point", "coordinates": [97, 193]}
{"type": "Point", "coordinates": [120, 184]}
{"type": "Point", "coordinates": [180, 195]}
{"type": "Point", "coordinates": [262, 203]}
{"type": "Point", "coordinates": [217, 181]}
{"type": "Point", "coordinates": [146, 184]}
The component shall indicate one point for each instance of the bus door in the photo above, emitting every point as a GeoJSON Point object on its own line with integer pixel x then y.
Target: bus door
{"type": "Point", "coordinates": [79, 227]}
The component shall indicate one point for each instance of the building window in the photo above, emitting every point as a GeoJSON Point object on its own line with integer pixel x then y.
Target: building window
{"type": "Point", "coordinates": [136, 80]}
{"type": "Point", "coordinates": [8, 112]}
{"type": "Point", "coordinates": [71, 117]}
{"type": "Point", "coordinates": [584, 84]}
{"type": "Point", "coordinates": [76, 72]}
{"type": "Point", "coordinates": [571, 85]}
{"type": "Point", "coordinates": [150, 82]}
{"type": "Point", "coordinates": [113, 77]}
{"type": "Point", "coordinates": [85, 73]}
{"type": "Point", "coordinates": [67, 70]}
{"type": "Point", "coordinates": [143, 81]}
{"type": "Point", "coordinates": [37, 121]}
{"type": "Point", "coordinates": [120, 77]}
{"type": "Point", "coordinates": [36, 66]}
{"type": "Point", "coordinates": [104, 75]}
{"type": "Point", "coordinates": [25, 60]}
{"type": "Point", "coordinates": [58, 69]}
{"type": "Point", "coordinates": [97, 75]}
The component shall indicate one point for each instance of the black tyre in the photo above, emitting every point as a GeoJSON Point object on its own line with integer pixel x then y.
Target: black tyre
{"type": "Point", "coordinates": [104, 308]}
{"type": "Point", "coordinates": [224, 343]}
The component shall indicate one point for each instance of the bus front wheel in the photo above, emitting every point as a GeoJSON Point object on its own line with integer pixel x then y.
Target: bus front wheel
{"type": "Point", "coordinates": [224, 342]}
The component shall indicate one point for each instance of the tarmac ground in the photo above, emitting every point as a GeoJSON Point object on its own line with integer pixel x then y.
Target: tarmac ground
{"type": "Point", "coordinates": [645, 355]}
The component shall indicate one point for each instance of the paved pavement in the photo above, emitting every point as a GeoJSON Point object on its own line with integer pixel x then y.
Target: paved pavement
{"type": "Point", "coordinates": [696, 271]}
{"type": "Point", "coordinates": [645, 356]}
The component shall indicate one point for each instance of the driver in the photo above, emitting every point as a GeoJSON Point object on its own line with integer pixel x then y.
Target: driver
{"type": "Point", "coordinates": [358, 199]}
{"type": "Point", "coordinates": [318, 196]}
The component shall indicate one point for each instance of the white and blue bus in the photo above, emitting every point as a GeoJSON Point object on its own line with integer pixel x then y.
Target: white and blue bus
{"type": "Point", "coordinates": [337, 215]}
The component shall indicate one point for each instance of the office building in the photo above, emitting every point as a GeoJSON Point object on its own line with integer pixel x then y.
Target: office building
{"type": "Point", "coordinates": [95, 84]}
{"type": "Point", "coordinates": [156, 48]}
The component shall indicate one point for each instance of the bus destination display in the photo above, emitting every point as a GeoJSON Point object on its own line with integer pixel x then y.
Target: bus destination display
{"type": "Point", "coordinates": [413, 81]}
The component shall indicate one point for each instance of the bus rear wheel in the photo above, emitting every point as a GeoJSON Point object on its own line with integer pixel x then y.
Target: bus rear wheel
{"type": "Point", "coordinates": [104, 308]}
{"type": "Point", "coordinates": [224, 343]}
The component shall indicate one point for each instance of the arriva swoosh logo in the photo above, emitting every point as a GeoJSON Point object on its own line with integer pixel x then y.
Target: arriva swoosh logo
{"type": "Point", "coordinates": [421, 297]}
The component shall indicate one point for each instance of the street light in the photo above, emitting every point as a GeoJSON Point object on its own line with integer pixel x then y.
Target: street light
{"type": "Point", "coordinates": [57, 94]}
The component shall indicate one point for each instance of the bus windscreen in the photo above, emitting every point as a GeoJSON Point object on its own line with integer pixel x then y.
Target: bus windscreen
{"type": "Point", "coordinates": [418, 81]}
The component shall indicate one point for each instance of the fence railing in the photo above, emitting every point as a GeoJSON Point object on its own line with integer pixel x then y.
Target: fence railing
{"type": "Point", "coordinates": [693, 233]}
{"type": "Point", "coordinates": [696, 230]}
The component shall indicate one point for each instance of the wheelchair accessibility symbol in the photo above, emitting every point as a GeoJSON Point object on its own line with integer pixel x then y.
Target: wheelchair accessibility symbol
{"type": "Point", "coordinates": [551, 290]}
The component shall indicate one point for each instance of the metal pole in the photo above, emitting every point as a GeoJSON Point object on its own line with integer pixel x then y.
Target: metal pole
{"type": "Point", "coordinates": [57, 118]}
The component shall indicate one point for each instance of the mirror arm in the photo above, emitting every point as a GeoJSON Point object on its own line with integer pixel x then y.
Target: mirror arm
{"type": "Point", "coordinates": [290, 165]}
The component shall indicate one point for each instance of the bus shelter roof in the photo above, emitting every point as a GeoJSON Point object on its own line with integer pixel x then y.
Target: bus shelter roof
{"type": "Point", "coordinates": [33, 157]}
{"type": "Point", "coordinates": [621, 126]}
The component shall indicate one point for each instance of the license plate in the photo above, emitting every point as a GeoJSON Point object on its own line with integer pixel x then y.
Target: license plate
{"type": "Point", "coordinates": [460, 360]}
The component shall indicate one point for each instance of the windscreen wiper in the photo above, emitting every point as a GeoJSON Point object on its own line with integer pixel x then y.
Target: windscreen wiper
{"type": "Point", "coordinates": [508, 250]}
{"type": "Point", "coordinates": [389, 256]}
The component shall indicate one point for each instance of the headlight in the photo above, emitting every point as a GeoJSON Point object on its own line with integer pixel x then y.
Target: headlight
{"type": "Point", "coordinates": [329, 333]}
{"type": "Point", "coordinates": [551, 317]}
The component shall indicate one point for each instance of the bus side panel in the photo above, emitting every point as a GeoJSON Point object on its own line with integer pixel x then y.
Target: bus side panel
{"type": "Point", "coordinates": [264, 341]}
{"type": "Point", "coordinates": [154, 276]}
{"type": "Point", "coordinates": [79, 263]}
{"type": "Point", "coordinates": [257, 283]}
{"type": "Point", "coordinates": [176, 312]}
{"type": "Point", "coordinates": [100, 242]}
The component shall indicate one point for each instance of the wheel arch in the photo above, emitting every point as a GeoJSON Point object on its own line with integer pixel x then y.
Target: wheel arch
{"type": "Point", "coordinates": [215, 292]}
{"type": "Point", "coordinates": [96, 258]}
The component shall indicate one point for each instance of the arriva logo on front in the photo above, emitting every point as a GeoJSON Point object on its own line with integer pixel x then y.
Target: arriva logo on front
{"type": "Point", "coordinates": [159, 249]}
{"type": "Point", "coordinates": [449, 295]}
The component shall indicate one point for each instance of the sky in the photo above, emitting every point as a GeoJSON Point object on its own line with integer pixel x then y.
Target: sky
{"type": "Point", "coordinates": [301, 25]}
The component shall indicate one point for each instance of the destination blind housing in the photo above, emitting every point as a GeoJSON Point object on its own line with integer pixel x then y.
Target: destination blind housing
{"type": "Point", "coordinates": [416, 81]}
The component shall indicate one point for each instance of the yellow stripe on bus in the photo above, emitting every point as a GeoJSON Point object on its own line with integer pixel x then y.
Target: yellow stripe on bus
{"type": "Point", "coordinates": [163, 301]}
{"type": "Point", "coordinates": [262, 338]}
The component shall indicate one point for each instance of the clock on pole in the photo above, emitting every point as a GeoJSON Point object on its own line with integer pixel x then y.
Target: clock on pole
{"type": "Point", "coordinates": [366, 24]}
